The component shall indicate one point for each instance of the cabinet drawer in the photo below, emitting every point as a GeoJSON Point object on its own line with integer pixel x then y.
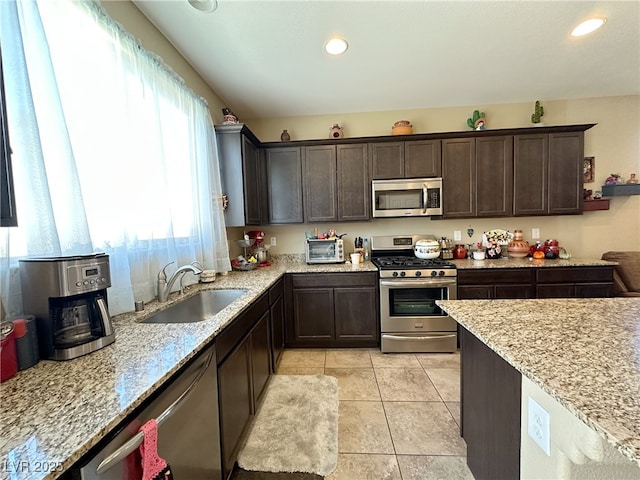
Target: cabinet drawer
{"type": "Point", "coordinates": [575, 275]}
{"type": "Point", "coordinates": [240, 327]}
{"type": "Point", "coordinates": [493, 276]}
{"type": "Point", "coordinates": [303, 280]}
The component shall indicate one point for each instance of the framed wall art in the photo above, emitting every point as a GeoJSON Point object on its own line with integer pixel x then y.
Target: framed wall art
{"type": "Point", "coordinates": [588, 170]}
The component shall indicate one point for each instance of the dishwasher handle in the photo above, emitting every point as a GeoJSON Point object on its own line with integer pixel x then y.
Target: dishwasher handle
{"type": "Point", "coordinates": [134, 442]}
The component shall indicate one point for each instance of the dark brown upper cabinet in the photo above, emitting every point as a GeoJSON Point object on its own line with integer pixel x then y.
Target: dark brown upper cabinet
{"type": "Point", "coordinates": [336, 183]}
{"type": "Point", "coordinates": [241, 165]}
{"type": "Point", "coordinates": [548, 173]}
{"type": "Point", "coordinates": [284, 185]}
{"type": "Point", "coordinates": [410, 159]}
{"type": "Point", "coordinates": [477, 177]}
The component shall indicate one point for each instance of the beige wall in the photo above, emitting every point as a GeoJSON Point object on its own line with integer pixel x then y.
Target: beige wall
{"type": "Point", "coordinates": [614, 142]}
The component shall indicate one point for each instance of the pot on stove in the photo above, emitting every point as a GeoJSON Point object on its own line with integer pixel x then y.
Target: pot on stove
{"type": "Point", "coordinates": [427, 249]}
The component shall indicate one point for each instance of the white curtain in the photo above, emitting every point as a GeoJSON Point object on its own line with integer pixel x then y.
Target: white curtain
{"type": "Point", "coordinates": [112, 153]}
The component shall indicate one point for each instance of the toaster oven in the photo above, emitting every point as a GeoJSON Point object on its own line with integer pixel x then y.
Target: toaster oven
{"type": "Point", "coordinates": [329, 250]}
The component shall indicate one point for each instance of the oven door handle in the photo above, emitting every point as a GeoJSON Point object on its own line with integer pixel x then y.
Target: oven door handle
{"type": "Point", "coordinates": [417, 283]}
{"type": "Point", "coordinates": [426, 337]}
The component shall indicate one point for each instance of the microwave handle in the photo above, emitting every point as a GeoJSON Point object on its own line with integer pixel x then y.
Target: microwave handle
{"type": "Point", "coordinates": [425, 197]}
{"type": "Point", "coordinates": [107, 327]}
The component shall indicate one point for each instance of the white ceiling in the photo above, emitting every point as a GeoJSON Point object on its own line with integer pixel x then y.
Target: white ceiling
{"type": "Point", "coordinates": [265, 58]}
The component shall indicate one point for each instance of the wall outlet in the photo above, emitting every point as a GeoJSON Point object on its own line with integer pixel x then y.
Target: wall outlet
{"type": "Point", "coordinates": [535, 233]}
{"type": "Point", "coordinates": [457, 235]}
{"type": "Point", "coordinates": [538, 426]}
{"type": "Point", "coordinates": [273, 241]}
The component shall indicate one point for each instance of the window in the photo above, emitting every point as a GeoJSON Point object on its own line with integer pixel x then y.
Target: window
{"type": "Point", "coordinates": [113, 154]}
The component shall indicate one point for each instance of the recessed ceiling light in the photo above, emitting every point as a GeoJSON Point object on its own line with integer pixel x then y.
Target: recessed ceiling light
{"type": "Point", "coordinates": [588, 26]}
{"type": "Point", "coordinates": [206, 6]}
{"type": "Point", "coordinates": [336, 46]}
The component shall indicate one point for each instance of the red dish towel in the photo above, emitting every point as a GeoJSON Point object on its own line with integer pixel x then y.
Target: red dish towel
{"type": "Point", "coordinates": [153, 467]}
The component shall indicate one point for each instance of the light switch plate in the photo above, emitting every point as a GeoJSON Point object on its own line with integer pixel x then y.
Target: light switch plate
{"type": "Point", "coordinates": [273, 241]}
{"type": "Point", "coordinates": [538, 426]}
{"type": "Point", "coordinates": [457, 235]}
{"type": "Point", "coordinates": [535, 233]}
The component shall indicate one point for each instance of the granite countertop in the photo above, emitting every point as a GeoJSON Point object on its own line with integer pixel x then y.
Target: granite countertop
{"type": "Point", "coordinates": [529, 262]}
{"type": "Point", "coordinates": [53, 413]}
{"type": "Point", "coordinates": [584, 352]}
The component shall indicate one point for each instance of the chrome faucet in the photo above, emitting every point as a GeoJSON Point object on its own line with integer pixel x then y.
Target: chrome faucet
{"type": "Point", "coordinates": [164, 286]}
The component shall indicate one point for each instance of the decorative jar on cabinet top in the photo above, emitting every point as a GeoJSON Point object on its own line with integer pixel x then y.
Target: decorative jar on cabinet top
{"type": "Point", "coordinates": [518, 247]}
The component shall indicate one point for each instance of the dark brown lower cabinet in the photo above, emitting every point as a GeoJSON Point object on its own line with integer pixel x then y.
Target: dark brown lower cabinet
{"type": "Point", "coordinates": [490, 406]}
{"type": "Point", "coordinates": [535, 282]}
{"type": "Point", "coordinates": [332, 310]}
{"type": "Point", "coordinates": [575, 282]}
{"type": "Point", "coordinates": [236, 406]}
{"type": "Point", "coordinates": [276, 307]}
{"type": "Point", "coordinates": [244, 370]}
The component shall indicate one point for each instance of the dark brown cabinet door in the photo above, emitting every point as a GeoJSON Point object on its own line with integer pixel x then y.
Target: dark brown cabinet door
{"type": "Point", "coordinates": [566, 158]}
{"type": "Point", "coordinates": [284, 185]}
{"type": "Point", "coordinates": [490, 405]}
{"type": "Point", "coordinates": [319, 183]}
{"type": "Point", "coordinates": [313, 315]}
{"type": "Point", "coordinates": [277, 330]}
{"type": "Point", "coordinates": [422, 158]}
{"type": "Point", "coordinates": [387, 160]}
{"type": "Point", "coordinates": [253, 201]}
{"type": "Point", "coordinates": [260, 357]}
{"type": "Point", "coordinates": [354, 187]}
{"type": "Point", "coordinates": [531, 165]}
{"type": "Point", "coordinates": [235, 402]}
{"type": "Point", "coordinates": [494, 176]}
{"type": "Point", "coordinates": [458, 177]}
{"type": "Point", "coordinates": [356, 314]}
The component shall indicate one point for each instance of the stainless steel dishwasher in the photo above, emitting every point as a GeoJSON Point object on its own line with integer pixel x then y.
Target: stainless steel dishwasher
{"type": "Point", "coordinates": [188, 430]}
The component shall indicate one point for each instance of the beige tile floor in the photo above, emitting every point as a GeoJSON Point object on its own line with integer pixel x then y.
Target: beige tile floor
{"type": "Point", "coordinates": [399, 413]}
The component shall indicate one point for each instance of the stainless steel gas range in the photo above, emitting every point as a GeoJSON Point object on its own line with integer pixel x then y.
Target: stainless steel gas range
{"type": "Point", "coordinates": [410, 320]}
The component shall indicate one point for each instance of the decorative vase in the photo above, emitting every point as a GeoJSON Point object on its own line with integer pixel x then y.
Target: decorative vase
{"type": "Point", "coordinates": [493, 251]}
{"type": "Point", "coordinates": [402, 127]}
{"type": "Point", "coordinates": [518, 247]}
{"type": "Point", "coordinates": [284, 136]}
{"type": "Point", "coordinates": [336, 131]}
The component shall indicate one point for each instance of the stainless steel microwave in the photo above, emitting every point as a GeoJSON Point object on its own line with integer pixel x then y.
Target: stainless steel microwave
{"type": "Point", "coordinates": [407, 197]}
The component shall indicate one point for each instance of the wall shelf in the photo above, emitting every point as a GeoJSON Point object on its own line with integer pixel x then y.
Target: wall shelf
{"type": "Point", "coordinates": [599, 204]}
{"type": "Point", "coordinates": [621, 189]}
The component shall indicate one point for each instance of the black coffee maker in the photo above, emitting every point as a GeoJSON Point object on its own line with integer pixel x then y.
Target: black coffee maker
{"type": "Point", "coordinates": [68, 296]}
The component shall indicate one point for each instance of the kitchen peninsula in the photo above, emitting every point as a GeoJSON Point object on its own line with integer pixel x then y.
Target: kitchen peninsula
{"type": "Point", "coordinates": [581, 352]}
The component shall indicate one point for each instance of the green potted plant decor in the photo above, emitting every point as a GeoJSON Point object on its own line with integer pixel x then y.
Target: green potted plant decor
{"type": "Point", "coordinates": [537, 114]}
{"type": "Point", "coordinates": [477, 121]}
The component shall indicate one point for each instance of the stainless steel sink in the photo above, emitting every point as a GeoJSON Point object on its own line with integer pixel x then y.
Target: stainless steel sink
{"type": "Point", "coordinates": [197, 308]}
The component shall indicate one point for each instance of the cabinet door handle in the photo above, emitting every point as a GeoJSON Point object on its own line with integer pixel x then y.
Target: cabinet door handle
{"type": "Point", "coordinates": [134, 442]}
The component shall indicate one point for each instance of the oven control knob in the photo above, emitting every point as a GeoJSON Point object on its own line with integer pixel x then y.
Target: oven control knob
{"type": "Point", "coordinates": [402, 274]}
{"type": "Point", "coordinates": [418, 273]}
{"type": "Point", "coordinates": [394, 274]}
{"type": "Point", "coordinates": [434, 273]}
{"type": "Point", "coordinates": [441, 273]}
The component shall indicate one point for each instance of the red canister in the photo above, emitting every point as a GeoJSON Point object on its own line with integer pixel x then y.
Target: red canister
{"type": "Point", "coordinates": [459, 252]}
{"type": "Point", "coordinates": [8, 357]}
{"type": "Point", "coordinates": [551, 246]}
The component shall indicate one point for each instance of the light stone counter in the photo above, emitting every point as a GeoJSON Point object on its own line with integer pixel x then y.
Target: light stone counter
{"type": "Point", "coordinates": [585, 353]}
{"type": "Point", "coordinates": [529, 262]}
{"type": "Point", "coordinates": [53, 413]}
